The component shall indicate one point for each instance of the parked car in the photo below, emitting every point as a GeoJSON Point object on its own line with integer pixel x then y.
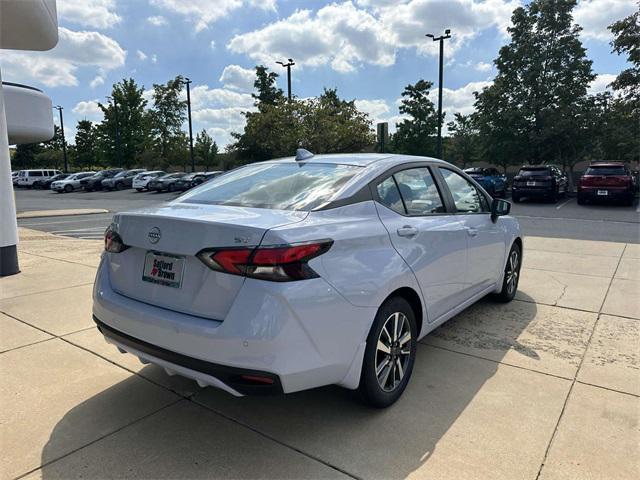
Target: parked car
{"type": "Point", "coordinates": [46, 184]}
{"type": "Point", "coordinates": [71, 183]}
{"type": "Point", "coordinates": [607, 181]}
{"type": "Point", "coordinates": [166, 182]}
{"type": "Point", "coordinates": [205, 177]}
{"type": "Point", "coordinates": [121, 180]}
{"type": "Point", "coordinates": [494, 182]}
{"type": "Point", "coordinates": [14, 177]}
{"type": "Point", "coordinates": [95, 182]}
{"type": "Point", "coordinates": [26, 178]}
{"type": "Point", "coordinates": [539, 181]}
{"type": "Point", "coordinates": [140, 180]}
{"type": "Point", "coordinates": [184, 183]}
{"type": "Point", "coordinates": [287, 275]}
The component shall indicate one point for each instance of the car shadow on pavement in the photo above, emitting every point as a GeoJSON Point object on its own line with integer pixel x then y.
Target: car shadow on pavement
{"type": "Point", "coordinates": [448, 407]}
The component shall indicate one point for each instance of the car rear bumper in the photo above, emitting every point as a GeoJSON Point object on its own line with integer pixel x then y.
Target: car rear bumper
{"type": "Point", "coordinates": [303, 334]}
{"type": "Point", "coordinates": [613, 193]}
{"type": "Point", "coordinates": [533, 191]}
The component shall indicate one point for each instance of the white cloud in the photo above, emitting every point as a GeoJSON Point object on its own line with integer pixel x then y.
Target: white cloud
{"type": "Point", "coordinates": [204, 97]}
{"type": "Point", "coordinates": [377, 109]}
{"type": "Point", "coordinates": [58, 67]}
{"type": "Point", "coordinates": [154, 58]}
{"type": "Point", "coordinates": [89, 13]}
{"type": "Point", "coordinates": [202, 13]}
{"type": "Point", "coordinates": [212, 44]}
{"type": "Point", "coordinates": [601, 83]}
{"type": "Point", "coordinates": [141, 55]}
{"type": "Point", "coordinates": [458, 100]}
{"type": "Point", "coordinates": [88, 109]}
{"type": "Point", "coordinates": [483, 67]}
{"type": "Point", "coordinates": [238, 78]}
{"type": "Point", "coordinates": [157, 20]}
{"type": "Point", "coordinates": [98, 80]}
{"type": "Point", "coordinates": [345, 36]}
{"type": "Point", "coordinates": [596, 15]}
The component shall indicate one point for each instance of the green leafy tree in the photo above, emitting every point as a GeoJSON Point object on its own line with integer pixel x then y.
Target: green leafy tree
{"type": "Point", "coordinates": [205, 149]}
{"type": "Point", "coordinates": [167, 116]}
{"type": "Point", "coordinates": [265, 84]}
{"type": "Point", "coordinates": [543, 75]}
{"type": "Point", "coordinates": [51, 154]}
{"type": "Point", "coordinates": [85, 148]}
{"type": "Point", "coordinates": [463, 142]}
{"type": "Point", "coordinates": [24, 157]}
{"type": "Point", "coordinates": [417, 134]}
{"type": "Point", "coordinates": [131, 122]}
{"type": "Point", "coordinates": [627, 42]}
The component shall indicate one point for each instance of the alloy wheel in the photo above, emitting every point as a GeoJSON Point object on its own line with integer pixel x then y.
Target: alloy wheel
{"type": "Point", "coordinates": [393, 351]}
{"type": "Point", "coordinates": [513, 271]}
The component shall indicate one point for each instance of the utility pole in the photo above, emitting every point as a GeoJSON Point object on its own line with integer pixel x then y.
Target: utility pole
{"type": "Point", "coordinates": [441, 39]}
{"type": "Point", "coordinates": [288, 65]}
{"type": "Point", "coordinates": [64, 142]}
{"type": "Point", "coordinates": [187, 82]}
{"type": "Point", "coordinates": [118, 151]}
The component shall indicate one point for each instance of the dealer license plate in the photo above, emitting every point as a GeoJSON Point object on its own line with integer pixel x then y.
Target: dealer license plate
{"type": "Point", "coordinates": [163, 269]}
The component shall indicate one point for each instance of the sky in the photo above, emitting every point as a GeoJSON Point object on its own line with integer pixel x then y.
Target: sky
{"type": "Point", "coordinates": [368, 49]}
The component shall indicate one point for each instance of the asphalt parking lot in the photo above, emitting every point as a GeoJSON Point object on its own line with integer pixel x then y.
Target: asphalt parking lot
{"type": "Point", "coordinates": [565, 219]}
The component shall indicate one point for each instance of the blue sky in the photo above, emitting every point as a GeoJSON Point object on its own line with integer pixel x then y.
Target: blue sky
{"type": "Point", "coordinates": [368, 49]}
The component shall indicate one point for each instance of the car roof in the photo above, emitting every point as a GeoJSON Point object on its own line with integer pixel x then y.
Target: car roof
{"type": "Point", "coordinates": [607, 164]}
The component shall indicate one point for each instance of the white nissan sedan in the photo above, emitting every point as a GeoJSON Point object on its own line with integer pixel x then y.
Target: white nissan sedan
{"type": "Point", "coordinates": [291, 274]}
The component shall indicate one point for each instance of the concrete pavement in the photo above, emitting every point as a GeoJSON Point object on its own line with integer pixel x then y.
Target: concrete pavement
{"type": "Point", "coordinates": [545, 387]}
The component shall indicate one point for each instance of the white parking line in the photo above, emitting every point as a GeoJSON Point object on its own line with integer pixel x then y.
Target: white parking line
{"type": "Point", "coordinates": [563, 204]}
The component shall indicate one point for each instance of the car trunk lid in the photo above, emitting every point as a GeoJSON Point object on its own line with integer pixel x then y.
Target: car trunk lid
{"type": "Point", "coordinates": [180, 231]}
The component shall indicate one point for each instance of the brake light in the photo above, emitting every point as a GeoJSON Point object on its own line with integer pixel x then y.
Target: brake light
{"type": "Point", "coordinates": [282, 263]}
{"type": "Point", "coordinates": [112, 241]}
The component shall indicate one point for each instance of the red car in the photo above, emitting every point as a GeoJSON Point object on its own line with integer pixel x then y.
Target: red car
{"type": "Point", "coordinates": [607, 181]}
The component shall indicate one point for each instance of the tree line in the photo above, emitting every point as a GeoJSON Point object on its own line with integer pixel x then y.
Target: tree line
{"type": "Point", "coordinates": [537, 110]}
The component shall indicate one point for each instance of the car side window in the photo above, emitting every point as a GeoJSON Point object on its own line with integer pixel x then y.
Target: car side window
{"type": "Point", "coordinates": [465, 195]}
{"type": "Point", "coordinates": [390, 195]}
{"type": "Point", "coordinates": [419, 191]}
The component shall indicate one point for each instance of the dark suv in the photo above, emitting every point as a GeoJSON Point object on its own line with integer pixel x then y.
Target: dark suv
{"type": "Point", "coordinates": [121, 180]}
{"type": "Point", "coordinates": [95, 181]}
{"type": "Point", "coordinates": [607, 181]}
{"type": "Point", "coordinates": [546, 182]}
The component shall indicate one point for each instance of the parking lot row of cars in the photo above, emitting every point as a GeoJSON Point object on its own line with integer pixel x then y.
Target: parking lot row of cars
{"type": "Point", "coordinates": [110, 179]}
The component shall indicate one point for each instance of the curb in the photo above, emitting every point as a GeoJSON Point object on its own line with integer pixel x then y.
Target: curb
{"type": "Point", "coordinates": [61, 213]}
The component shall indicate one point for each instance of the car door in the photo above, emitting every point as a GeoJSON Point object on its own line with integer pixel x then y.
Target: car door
{"type": "Point", "coordinates": [485, 239]}
{"type": "Point", "coordinates": [429, 238]}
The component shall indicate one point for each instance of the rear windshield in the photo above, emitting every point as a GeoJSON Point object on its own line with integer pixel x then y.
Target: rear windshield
{"type": "Point", "coordinates": [606, 170]}
{"type": "Point", "coordinates": [282, 186]}
{"type": "Point", "coordinates": [534, 172]}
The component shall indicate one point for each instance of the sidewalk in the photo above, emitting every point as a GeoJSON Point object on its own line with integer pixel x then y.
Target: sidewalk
{"type": "Point", "coordinates": [546, 387]}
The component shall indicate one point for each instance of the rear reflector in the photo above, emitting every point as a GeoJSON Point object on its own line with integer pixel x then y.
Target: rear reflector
{"type": "Point", "coordinates": [257, 379]}
{"type": "Point", "coordinates": [282, 263]}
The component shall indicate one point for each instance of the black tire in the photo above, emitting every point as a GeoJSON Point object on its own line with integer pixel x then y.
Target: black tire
{"type": "Point", "coordinates": [553, 198]}
{"type": "Point", "coordinates": [396, 376]}
{"type": "Point", "coordinates": [172, 187]}
{"type": "Point", "coordinates": [581, 200]}
{"type": "Point", "coordinates": [515, 197]}
{"type": "Point", "coordinates": [510, 282]}
{"type": "Point", "coordinates": [119, 186]}
{"type": "Point", "coordinates": [68, 189]}
{"type": "Point", "coordinates": [139, 189]}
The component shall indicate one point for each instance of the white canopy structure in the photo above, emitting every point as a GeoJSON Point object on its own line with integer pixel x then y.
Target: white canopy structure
{"type": "Point", "coordinates": [25, 112]}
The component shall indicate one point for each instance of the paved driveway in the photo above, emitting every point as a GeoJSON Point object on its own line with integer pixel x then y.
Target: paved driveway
{"type": "Point", "coordinates": [547, 387]}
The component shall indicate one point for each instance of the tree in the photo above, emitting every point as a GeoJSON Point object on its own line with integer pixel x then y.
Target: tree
{"type": "Point", "coordinates": [626, 42]}
{"type": "Point", "coordinates": [85, 144]}
{"type": "Point", "coordinates": [543, 75]}
{"type": "Point", "coordinates": [25, 156]}
{"type": "Point", "coordinates": [416, 135]}
{"type": "Point", "coordinates": [463, 143]}
{"type": "Point", "coordinates": [265, 84]}
{"type": "Point", "coordinates": [205, 149]}
{"type": "Point", "coordinates": [51, 154]}
{"type": "Point", "coordinates": [167, 116]}
{"type": "Point", "coordinates": [131, 122]}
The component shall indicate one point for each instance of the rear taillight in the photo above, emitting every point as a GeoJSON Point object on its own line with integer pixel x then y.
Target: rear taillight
{"type": "Point", "coordinates": [112, 241]}
{"type": "Point", "coordinates": [282, 263]}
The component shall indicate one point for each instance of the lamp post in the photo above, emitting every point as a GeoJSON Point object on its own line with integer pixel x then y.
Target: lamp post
{"type": "Point", "coordinates": [288, 66]}
{"type": "Point", "coordinates": [187, 82]}
{"type": "Point", "coordinates": [441, 39]}
{"type": "Point", "coordinates": [64, 142]}
{"type": "Point", "coordinates": [118, 152]}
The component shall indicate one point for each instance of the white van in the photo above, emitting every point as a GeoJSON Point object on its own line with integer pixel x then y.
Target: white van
{"type": "Point", "coordinates": [26, 178]}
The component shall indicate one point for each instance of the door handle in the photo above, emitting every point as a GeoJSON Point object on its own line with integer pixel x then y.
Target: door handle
{"type": "Point", "coordinates": [407, 231]}
{"type": "Point", "coordinates": [472, 231]}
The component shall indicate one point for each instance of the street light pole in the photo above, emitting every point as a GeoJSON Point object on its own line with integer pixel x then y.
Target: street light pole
{"type": "Point", "coordinates": [193, 161]}
{"type": "Point", "coordinates": [288, 65]}
{"type": "Point", "coordinates": [64, 142]}
{"type": "Point", "coordinates": [441, 39]}
{"type": "Point", "coordinates": [118, 152]}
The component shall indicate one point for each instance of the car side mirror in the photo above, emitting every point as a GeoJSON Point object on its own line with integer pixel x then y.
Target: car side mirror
{"type": "Point", "coordinates": [499, 207]}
